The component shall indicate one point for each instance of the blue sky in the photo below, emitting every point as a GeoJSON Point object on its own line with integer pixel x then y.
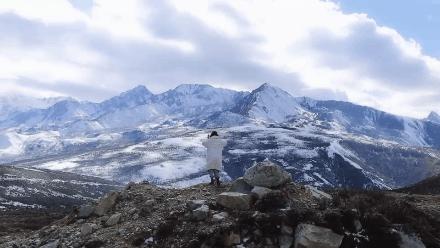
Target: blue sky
{"type": "Point", "coordinates": [417, 19]}
{"type": "Point", "coordinates": [383, 54]}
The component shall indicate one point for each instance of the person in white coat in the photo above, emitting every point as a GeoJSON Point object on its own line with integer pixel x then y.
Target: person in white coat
{"type": "Point", "coordinates": [214, 145]}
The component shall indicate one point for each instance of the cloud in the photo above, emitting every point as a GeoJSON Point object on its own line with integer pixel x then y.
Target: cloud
{"type": "Point", "coordinates": [368, 52]}
{"type": "Point", "coordinates": [308, 47]}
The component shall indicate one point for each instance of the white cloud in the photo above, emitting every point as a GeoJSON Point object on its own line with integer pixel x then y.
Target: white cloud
{"type": "Point", "coordinates": [308, 47]}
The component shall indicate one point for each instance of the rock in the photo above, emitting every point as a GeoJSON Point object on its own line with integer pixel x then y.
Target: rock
{"type": "Point", "coordinates": [267, 174]}
{"type": "Point", "coordinates": [241, 186]}
{"type": "Point", "coordinates": [85, 211]}
{"type": "Point", "coordinates": [201, 213]}
{"type": "Point", "coordinates": [261, 191]}
{"type": "Point", "coordinates": [357, 225]}
{"type": "Point", "coordinates": [130, 185]}
{"type": "Point", "coordinates": [132, 211]}
{"type": "Point", "coordinates": [113, 220]}
{"type": "Point", "coordinates": [318, 194]}
{"type": "Point", "coordinates": [220, 216]}
{"type": "Point", "coordinates": [106, 203]}
{"type": "Point", "coordinates": [285, 229]}
{"type": "Point", "coordinates": [193, 204]}
{"type": "Point", "coordinates": [286, 241]}
{"type": "Point", "coordinates": [275, 199]}
{"type": "Point", "coordinates": [150, 203]}
{"type": "Point", "coordinates": [53, 244]}
{"type": "Point", "coordinates": [88, 228]}
{"type": "Point", "coordinates": [311, 236]}
{"type": "Point", "coordinates": [410, 241]}
{"type": "Point", "coordinates": [234, 200]}
{"type": "Point", "coordinates": [94, 243]}
{"type": "Point", "coordinates": [231, 239]}
{"type": "Point", "coordinates": [149, 241]}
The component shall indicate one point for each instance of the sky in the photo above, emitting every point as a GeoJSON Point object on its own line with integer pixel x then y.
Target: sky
{"type": "Point", "coordinates": [383, 54]}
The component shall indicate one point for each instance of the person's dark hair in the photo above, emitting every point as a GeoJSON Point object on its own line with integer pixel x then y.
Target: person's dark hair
{"type": "Point", "coordinates": [213, 133]}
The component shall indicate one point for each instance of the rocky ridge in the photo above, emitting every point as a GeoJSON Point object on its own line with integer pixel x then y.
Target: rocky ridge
{"type": "Point", "coordinates": [249, 212]}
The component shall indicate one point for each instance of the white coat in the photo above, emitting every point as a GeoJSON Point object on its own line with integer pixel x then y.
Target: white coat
{"type": "Point", "coordinates": [214, 154]}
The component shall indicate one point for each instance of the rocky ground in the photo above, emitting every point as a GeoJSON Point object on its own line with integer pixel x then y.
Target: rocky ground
{"type": "Point", "coordinates": [262, 209]}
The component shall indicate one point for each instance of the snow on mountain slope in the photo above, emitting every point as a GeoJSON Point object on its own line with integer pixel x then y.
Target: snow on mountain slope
{"type": "Point", "coordinates": [189, 100]}
{"type": "Point", "coordinates": [11, 104]}
{"type": "Point", "coordinates": [374, 123]}
{"type": "Point", "coordinates": [137, 96]}
{"type": "Point", "coordinates": [35, 188]}
{"type": "Point", "coordinates": [269, 103]}
{"type": "Point", "coordinates": [174, 156]}
{"type": "Point", "coordinates": [14, 144]}
{"type": "Point", "coordinates": [59, 114]}
{"type": "Point", "coordinates": [433, 117]}
{"type": "Point", "coordinates": [206, 106]}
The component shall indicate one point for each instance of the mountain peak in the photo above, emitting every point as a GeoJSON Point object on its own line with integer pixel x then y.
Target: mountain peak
{"type": "Point", "coordinates": [139, 95]}
{"type": "Point", "coordinates": [138, 90]}
{"type": "Point", "coordinates": [265, 86]}
{"type": "Point", "coordinates": [271, 89]}
{"type": "Point", "coordinates": [270, 103]}
{"type": "Point", "coordinates": [433, 117]}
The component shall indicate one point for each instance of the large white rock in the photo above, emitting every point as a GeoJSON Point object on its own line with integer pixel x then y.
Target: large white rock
{"type": "Point", "coordinates": [311, 236]}
{"type": "Point", "coordinates": [267, 174]}
{"type": "Point", "coordinates": [234, 200]}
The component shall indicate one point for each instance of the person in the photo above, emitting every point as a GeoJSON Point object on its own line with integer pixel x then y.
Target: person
{"type": "Point", "coordinates": [214, 145]}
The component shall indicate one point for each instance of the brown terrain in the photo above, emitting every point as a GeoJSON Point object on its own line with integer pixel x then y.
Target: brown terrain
{"type": "Point", "coordinates": [241, 214]}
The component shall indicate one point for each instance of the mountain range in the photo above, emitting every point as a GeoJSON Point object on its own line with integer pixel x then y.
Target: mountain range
{"type": "Point", "coordinates": [139, 135]}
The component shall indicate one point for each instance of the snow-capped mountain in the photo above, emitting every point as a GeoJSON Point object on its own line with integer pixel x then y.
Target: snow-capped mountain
{"type": "Point", "coordinates": [140, 135]}
{"type": "Point", "coordinates": [374, 123]}
{"type": "Point", "coordinates": [269, 103]}
{"type": "Point", "coordinates": [433, 117]}
{"type": "Point", "coordinates": [11, 104]}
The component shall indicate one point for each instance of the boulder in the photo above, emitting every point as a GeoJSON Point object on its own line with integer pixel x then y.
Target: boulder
{"type": "Point", "coordinates": [311, 236]}
{"type": "Point", "coordinates": [201, 213]}
{"type": "Point", "coordinates": [261, 191]}
{"type": "Point", "coordinates": [285, 229]}
{"type": "Point", "coordinates": [267, 174]}
{"type": "Point", "coordinates": [88, 228]}
{"type": "Point", "coordinates": [241, 186]}
{"type": "Point", "coordinates": [234, 200]}
{"type": "Point", "coordinates": [85, 211]}
{"type": "Point", "coordinates": [193, 204]}
{"type": "Point", "coordinates": [220, 216]}
{"type": "Point", "coordinates": [106, 203]}
{"type": "Point", "coordinates": [113, 220]}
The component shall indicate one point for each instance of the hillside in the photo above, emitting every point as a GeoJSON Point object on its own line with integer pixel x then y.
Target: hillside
{"type": "Point", "coordinates": [31, 198]}
{"type": "Point", "coordinates": [281, 214]}
{"type": "Point", "coordinates": [430, 185]}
